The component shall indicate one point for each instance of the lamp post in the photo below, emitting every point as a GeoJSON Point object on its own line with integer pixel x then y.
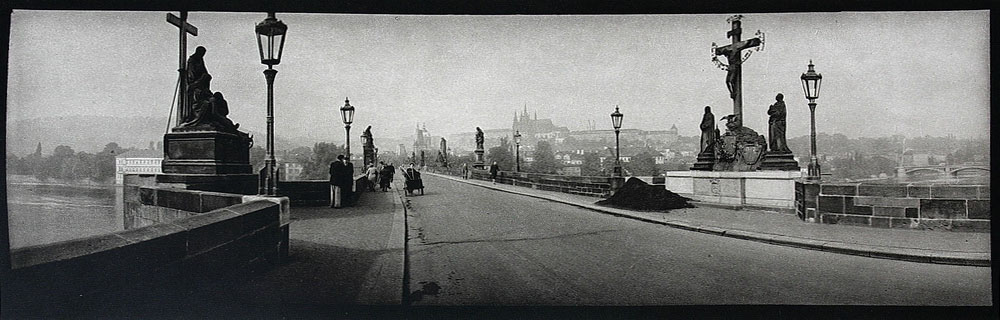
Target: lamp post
{"type": "Point", "coordinates": [270, 42]}
{"type": "Point", "coordinates": [810, 85]}
{"type": "Point", "coordinates": [616, 121]}
{"type": "Point", "coordinates": [347, 113]}
{"type": "Point", "coordinates": [517, 152]}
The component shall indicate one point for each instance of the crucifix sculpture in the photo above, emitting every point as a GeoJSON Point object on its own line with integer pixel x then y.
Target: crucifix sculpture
{"type": "Point", "coordinates": [734, 56]}
{"type": "Point", "coordinates": [185, 29]}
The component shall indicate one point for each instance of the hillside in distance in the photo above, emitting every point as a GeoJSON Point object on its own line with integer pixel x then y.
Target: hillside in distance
{"type": "Point", "coordinates": [83, 133]}
{"type": "Point", "coordinates": [91, 133]}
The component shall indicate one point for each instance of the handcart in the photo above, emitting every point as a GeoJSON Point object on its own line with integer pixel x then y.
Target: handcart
{"type": "Point", "coordinates": [413, 181]}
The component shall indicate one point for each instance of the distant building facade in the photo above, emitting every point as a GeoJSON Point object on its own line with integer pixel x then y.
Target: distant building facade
{"type": "Point", "coordinates": [146, 161]}
{"type": "Point", "coordinates": [533, 130]}
{"type": "Point", "coordinates": [291, 171]}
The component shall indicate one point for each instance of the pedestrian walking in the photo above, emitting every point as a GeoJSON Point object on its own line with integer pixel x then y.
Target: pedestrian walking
{"type": "Point", "coordinates": [494, 168]}
{"type": "Point", "coordinates": [391, 169]}
{"type": "Point", "coordinates": [372, 174]}
{"type": "Point", "coordinates": [465, 171]}
{"type": "Point", "coordinates": [383, 176]}
{"type": "Point", "coordinates": [336, 172]}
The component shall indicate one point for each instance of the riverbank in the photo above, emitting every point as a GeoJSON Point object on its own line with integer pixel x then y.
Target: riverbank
{"type": "Point", "coordinates": [31, 180]}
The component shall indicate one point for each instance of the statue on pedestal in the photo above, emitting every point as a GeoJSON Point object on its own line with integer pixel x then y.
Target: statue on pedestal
{"type": "Point", "coordinates": [779, 157]}
{"type": "Point", "coordinates": [206, 141]}
{"type": "Point", "coordinates": [479, 163]}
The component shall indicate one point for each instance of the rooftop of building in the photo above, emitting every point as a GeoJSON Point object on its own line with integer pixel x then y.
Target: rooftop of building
{"type": "Point", "coordinates": [141, 153]}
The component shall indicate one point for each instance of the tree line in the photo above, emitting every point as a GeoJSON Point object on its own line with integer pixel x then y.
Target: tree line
{"type": "Point", "coordinates": [65, 164]}
{"type": "Point", "coordinates": [642, 164]}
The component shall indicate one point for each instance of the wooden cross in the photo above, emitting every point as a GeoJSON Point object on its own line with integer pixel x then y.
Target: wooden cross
{"type": "Point", "coordinates": [732, 52]}
{"type": "Point", "coordinates": [185, 29]}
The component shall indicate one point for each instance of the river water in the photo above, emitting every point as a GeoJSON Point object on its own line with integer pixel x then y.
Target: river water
{"type": "Point", "coordinates": [42, 213]}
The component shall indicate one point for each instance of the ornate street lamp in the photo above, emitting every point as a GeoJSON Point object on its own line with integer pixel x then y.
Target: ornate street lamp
{"type": "Point", "coordinates": [517, 152]}
{"type": "Point", "coordinates": [810, 85]}
{"type": "Point", "coordinates": [271, 31]}
{"type": "Point", "coordinates": [616, 121]}
{"type": "Point", "coordinates": [347, 113]}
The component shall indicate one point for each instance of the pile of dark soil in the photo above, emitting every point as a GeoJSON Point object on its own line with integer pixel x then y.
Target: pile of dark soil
{"type": "Point", "coordinates": [638, 195]}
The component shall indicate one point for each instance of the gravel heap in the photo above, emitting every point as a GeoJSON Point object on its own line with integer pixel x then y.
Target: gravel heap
{"type": "Point", "coordinates": [638, 195]}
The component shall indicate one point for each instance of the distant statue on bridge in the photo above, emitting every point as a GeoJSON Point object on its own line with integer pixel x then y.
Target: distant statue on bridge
{"type": "Point", "coordinates": [479, 138]}
{"type": "Point", "coordinates": [368, 135]}
{"type": "Point", "coordinates": [776, 122]}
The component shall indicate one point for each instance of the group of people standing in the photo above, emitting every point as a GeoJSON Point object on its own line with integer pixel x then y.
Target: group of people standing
{"type": "Point", "coordinates": [381, 176]}
{"type": "Point", "coordinates": [341, 180]}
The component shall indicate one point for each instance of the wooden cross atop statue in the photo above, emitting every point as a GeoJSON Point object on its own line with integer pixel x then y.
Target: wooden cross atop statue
{"type": "Point", "coordinates": [185, 29]}
{"type": "Point", "coordinates": [734, 56]}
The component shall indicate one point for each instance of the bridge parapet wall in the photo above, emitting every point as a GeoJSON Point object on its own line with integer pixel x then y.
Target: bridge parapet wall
{"type": "Point", "coordinates": [314, 192]}
{"type": "Point", "coordinates": [911, 206]}
{"type": "Point", "coordinates": [582, 185]}
{"type": "Point", "coordinates": [92, 272]}
{"type": "Point", "coordinates": [149, 205]}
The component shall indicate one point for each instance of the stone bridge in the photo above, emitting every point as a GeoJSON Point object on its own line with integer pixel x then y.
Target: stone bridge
{"type": "Point", "coordinates": [951, 170]}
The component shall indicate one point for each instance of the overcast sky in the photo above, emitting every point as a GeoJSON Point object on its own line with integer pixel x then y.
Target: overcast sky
{"type": "Point", "coordinates": [912, 73]}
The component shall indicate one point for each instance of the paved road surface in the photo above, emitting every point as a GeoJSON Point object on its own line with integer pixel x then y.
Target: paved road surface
{"type": "Point", "coordinates": [473, 246]}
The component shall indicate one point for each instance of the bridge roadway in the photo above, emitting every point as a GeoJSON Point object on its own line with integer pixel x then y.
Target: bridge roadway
{"type": "Point", "coordinates": [474, 246]}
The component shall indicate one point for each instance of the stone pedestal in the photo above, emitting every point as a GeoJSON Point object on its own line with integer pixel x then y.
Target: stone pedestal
{"type": "Point", "coordinates": [783, 161]}
{"type": "Point", "coordinates": [228, 183]}
{"type": "Point", "coordinates": [480, 162]}
{"type": "Point", "coordinates": [766, 189]}
{"type": "Point", "coordinates": [706, 159]}
{"type": "Point", "coordinates": [206, 152]}
{"type": "Point", "coordinates": [208, 161]}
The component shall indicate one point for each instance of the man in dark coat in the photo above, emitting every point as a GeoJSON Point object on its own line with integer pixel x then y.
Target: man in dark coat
{"type": "Point", "coordinates": [392, 172]}
{"type": "Point", "coordinates": [494, 168]}
{"type": "Point", "coordinates": [336, 173]}
{"type": "Point", "coordinates": [347, 182]}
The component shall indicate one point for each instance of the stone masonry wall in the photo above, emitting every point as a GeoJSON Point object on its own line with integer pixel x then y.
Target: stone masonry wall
{"type": "Point", "coordinates": [914, 206]}
{"type": "Point", "coordinates": [146, 205]}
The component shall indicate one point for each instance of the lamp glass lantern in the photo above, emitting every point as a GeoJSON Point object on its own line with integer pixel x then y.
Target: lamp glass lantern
{"type": "Point", "coordinates": [517, 137]}
{"type": "Point", "coordinates": [811, 82]}
{"type": "Point", "coordinates": [347, 112]}
{"type": "Point", "coordinates": [616, 119]}
{"type": "Point", "coordinates": [271, 39]}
